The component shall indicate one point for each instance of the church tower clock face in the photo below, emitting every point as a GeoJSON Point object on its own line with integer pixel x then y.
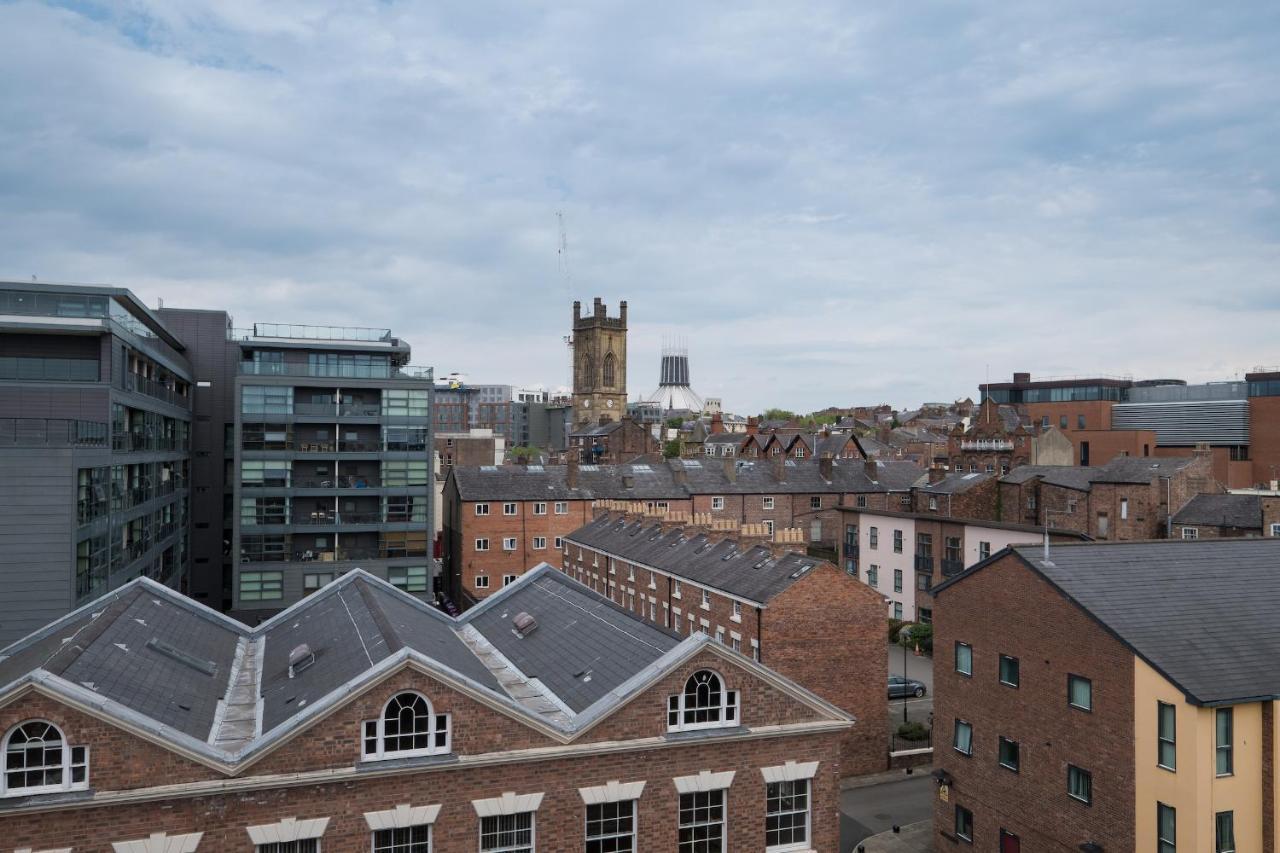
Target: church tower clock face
{"type": "Point", "coordinates": [609, 403]}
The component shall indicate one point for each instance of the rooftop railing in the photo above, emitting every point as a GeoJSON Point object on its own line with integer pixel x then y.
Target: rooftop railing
{"type": "Point", "coordinates": [336, 371]}
{"type": "Point", "coordinates": [298, 331]}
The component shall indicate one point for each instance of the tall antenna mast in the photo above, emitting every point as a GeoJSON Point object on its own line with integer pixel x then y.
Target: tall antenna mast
{"type": "Point", "coordinates": [562, 260]}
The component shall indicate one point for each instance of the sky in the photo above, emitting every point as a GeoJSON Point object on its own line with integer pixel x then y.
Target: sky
{"type": "Point", "coordinates": [831, 203]}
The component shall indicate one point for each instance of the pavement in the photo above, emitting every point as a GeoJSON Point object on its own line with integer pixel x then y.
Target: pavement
{"type": "Point", "coordinates": [870, 805]}
{"type": "Point", "coordinates": [921, 669]}
{"type": "Point", "coordinates": [914, 838]}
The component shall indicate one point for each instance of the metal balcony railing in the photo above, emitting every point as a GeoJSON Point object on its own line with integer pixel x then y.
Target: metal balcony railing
{"type": "Point", "coordinates": [158, 390]}
{"type": "Point", "coordinates": [338, 410]}
{"type": "Point", "coordinates": [924, 563]}
{"type": "Point", "coordinates": [952, 567]}
{"type": "Point", "coordinates": [996, 444]}
{"type": "Point", "coordinates": [336, 371]}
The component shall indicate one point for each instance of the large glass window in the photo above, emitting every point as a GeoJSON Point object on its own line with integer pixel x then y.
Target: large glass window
{"type": "Point", "coordinates": [405, 438]}
{"type": "Point", "coordinates": [404, 508]}
{"type": "Point", "coordinates": [255, 436]}
{"type": "Point", "coordinates": [408, 403]}
{"type": "Point", "coordinates": [964, 658]}
{"type": "Point", "coordinates": [611, 827]}
{"type": "Point", "coordinates": [264, 548]}
{"type": "Point", "coordinates": [1009, 671]}
{"type": "Point", "coordinates": [1224, 832]}
{"type": "Point", "coordinates": [274, 473]}
{"type": "Point", "coordinates": [963, 738]}
{"type": "Point", "coordinates": [408, 578]}
{"type": "Point", "coordinates": [93, 565]}
{"type": "Point", "coordinates": [348, 366]}
{"type": "Point", "coordinates": [786, 821]}
{"type": "Point", "coordinates": [964, 823]}
{"type": "Point", "coordinates": [508, 833]}
{"type": "Point", "coordinates": [261, 586]}
{"type": "Point", "coordinates": [1080, 692]}
{"type": "Point", "coordinates": [266, 400]}
{"type": "Point", "coordinates": [702, 822]}
{"type": "Point", "coordinates": [93, 486]}
{"type": "Point", "coordinates": [1080, 784]}
{"type": "Point", "coordinates": [404, 472]}
{"type": "Point", "coordinates": [254, 511]}
{"type": "Point", "coordinates": [38, 369]}
{"type": "Point", "coordinates": [1009, 753]}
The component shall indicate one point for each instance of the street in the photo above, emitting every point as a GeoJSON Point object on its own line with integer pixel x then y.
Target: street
{"type": "Point", "coordinates": [921, 669]}
{"type": "Point", "coordinates": [870, 810]}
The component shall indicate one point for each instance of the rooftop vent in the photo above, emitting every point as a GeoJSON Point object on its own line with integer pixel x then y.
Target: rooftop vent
{"type": "Point", "coordinates": [524, 624]}
{"type": "Point", "coordinates": [489, 469]}
{"type": "Point", "coordinates": [802, 571]}
{"type": "Point", "coordinates": [300, 658]}
{"type": "Point", "coordinates": [534, 469]}
{"type": "Point", "coordinates": [207, 667]}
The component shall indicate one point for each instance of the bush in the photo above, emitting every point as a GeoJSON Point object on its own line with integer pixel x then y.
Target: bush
{"type": "Point", "coordinates": [895, 625]}
{"type": "Point", "coordinates": [922, 636]}
{"type": "Point", "coordinates": [913, 731]}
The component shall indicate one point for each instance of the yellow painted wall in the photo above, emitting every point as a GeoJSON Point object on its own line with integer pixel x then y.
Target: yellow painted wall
{"type": "Point", "coordinates": [1194, 788]}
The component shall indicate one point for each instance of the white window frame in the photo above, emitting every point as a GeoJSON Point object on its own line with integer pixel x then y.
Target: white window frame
{"type": "Point", "coordinates": [607, 794]}
{"type": "Point", "coordinates": [482, 581]}
{"type": "Point", "coordinates": [768, 502]}
{"type": "Point", "coordinates": [1275, 529]}
{"type": "Point", "coordinates": [540, 508]}
{"type": "Point", "coordinates": [482, 543]}
{"type": "Point", "coordinates": [403, 816]}
{"type": "Point", "coordinates": [706, 599]}
{"type": "Point", "coordinates": [559, 543]}
{"type": "Point", "coordinates": [509, 543]}
{"type": "Point", "coordinates": [508, 805]}
{"type": "Point", "coordinates": [508, 580]}
{"type": "Point", "coordinates": [1124, 509]}
{"type": "Point", "coordinates": [792, 772]}
{"type": "Point", "coordinates": [717, 502]}
{"type": "Point", "coordinates": [562, 507]}
{"type": "Point", "coordinates": [66, 767]}
{"type": "Point", "coordinates": [737, 611]}
{"type": "Point", "coordinates": [381, 753]}
{"type": "Point", "coordinates": [726, 713]}
{"type": "Point", "coordinates": [287, 830]}
{"type": "Point", "coordinates": [1190, 533]}
{"type": "Point", "coordinates": [539, 543]}
{"type": "Point", "coordinates": [509, 508]}
{"type": "Point", "coordinates": [482, 509]}
{"type": "Point", "coordinates": [157, 842]}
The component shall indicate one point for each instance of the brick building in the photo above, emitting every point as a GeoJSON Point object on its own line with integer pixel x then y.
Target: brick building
{"type": "Point", "coordinates": [1100, 700]}
{"type": "Point", "coordinates": [501, 520]}
{"type": "Point", "coordinates": [759, 595]}
{"type": "Point", "coordinates": [599, 364]}
{"type": "Point", "coordinates": [959, 495]}
{"type": "Point", "coordinates": [996, 441]}
{"type": "Point", "coordinates": [363, 719]}
{"type": "Point", "coordinates": [612, 442]}
{"type": "Point", "coordinates": [903, 555]}
{"type": "Point", "coordinates": [1228, 516]}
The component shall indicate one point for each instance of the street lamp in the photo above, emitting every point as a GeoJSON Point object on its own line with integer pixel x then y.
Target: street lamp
{"type": "Point", "coordinates": [904, 640]}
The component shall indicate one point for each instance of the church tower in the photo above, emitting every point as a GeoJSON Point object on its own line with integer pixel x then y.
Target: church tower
{"type": "Point", "coordinates": [599, 364]}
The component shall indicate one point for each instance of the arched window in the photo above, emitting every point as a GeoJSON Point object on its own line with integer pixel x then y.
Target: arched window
{"type": "Point", "coordinates": [609, 364]}
{"type": "Point", "coordinates": [704, 704]}
{"type": "Point", "coordinates": [408, 727]}
{"type": "Point", "coordinates": [38, 760]}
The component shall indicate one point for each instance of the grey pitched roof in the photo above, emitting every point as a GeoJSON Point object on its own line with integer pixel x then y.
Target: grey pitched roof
{"type": "Point", "coordinates": [1140, 469]}
{"type": "Point", "coordinates": [584, 646]}
{"type": "Point", "coordinates": [1242, 511]}
{"type": "Point", "coordinates": [597, 430]}
{"type": "Point", "coordinates": [658, 481]}
{"type": "Point", "coordinates": [1202, 612]}
{"type": "Point", "coordinates": [954, 484]}
{"type": "Point", "coordinates": [725, 438]}
{"type": "Point", "coordinates": [753, 574]}
{"type": "Point", "coordinates": [1078, 477]}
{"type": "Point", "coordinates": [154, 659]}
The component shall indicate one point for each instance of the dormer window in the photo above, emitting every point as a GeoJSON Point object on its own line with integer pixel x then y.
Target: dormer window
{"type": "Point", "coordinates": [407, 728]}
{"type": "Point", "coordinates": [38, 760]}
{"type": "Point", "coordinates": [704, 704]}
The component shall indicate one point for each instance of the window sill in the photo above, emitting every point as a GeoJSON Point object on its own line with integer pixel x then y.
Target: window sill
{"type": "Point", "coordinates": [376, 764]}
{"type": "Point", "coordinates": [735, 618]}
{"type": "Point", "coordinates": [711, 731]}
{"type": "Point", "coordinates": [18, 801]}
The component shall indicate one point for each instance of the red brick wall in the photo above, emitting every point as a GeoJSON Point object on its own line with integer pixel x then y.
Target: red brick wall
{"type": "Point", "coordinates": [978, 502]}
{"type": "Point", "coordinates": [1264, 438]}
{"type": "Point", "coordinates": [826, 632]}
{"type": "Point", "coordinates": [558, 824]}
{"type": "Point", "coordinates": [1008, 609]}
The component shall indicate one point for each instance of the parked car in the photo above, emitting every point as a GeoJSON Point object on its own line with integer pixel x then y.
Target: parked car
{"type": "Point", "coordinates": [900, 688]}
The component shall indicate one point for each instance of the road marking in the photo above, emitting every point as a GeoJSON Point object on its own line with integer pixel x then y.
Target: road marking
{"type": "Point", "coordinates": [897, 703]}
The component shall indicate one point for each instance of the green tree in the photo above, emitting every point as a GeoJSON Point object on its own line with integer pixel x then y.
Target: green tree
{"type": "Point", "coordinates": [671, 449]}
{"type": "Point", "coordinates": [777, 415]}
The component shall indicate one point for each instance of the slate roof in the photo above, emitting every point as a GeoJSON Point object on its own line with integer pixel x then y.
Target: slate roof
{"type": "Point", "coordinates": [724, 438]}
{"type": "Point", "coordinates": [1140, 469]}
{"type": "Point", "coordinates": [153, 658]}
{"type": "Point", "coordinates": [1242, 511]}
{"type": "Point", "coordinates": [658, 481]}
{"type": "Point", "coordinates": [1068, 476]}
{"type": "Point", "coordinates": [754, 574]}
{"type": "Point", "coordinates": [1201, 612]}
{"type": "Point", "coordinates": [597, 430]}
{"type": "Point", "coordinates": [954, 484]}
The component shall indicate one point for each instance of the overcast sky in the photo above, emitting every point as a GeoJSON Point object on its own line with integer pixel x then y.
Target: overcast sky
{"type": "Point", "coordinates": [834, 204]}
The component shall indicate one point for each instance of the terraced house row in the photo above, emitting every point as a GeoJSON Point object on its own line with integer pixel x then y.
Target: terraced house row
{"type": "Point", "coordinates": [499, 521]}
{"type": "Point", "coordinates": [546, 718]}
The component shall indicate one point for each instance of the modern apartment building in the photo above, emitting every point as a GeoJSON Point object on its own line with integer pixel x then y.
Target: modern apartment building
{"type": "Point", "coordinates": [331, 460]}
{"type": "Point", "coordinates": [95, 449]}
{"type": "Point", "coordinates": [1114, 697]}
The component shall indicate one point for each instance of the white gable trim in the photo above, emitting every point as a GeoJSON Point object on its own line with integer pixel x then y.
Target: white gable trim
{"type": "Point", "coordinates": [402, 817]}
{"type": "Point", "coordinates": [289, 829]}
{"type": "Point", "coordinates": [704, 781]}
{"type": "Point", "coordinates": [160, 842]}
{"type": "Point", "coordinates": [509, 803]}
{"type": "Point", "coordinates": [790, 772]}
{"type": "Point", "coordinates": [612, 791]}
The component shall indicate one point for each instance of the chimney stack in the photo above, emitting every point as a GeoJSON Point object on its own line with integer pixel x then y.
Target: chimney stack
{"type": "Point", "coordinates": [825, 466]}
{"type": "Point", "coordinates": [717, 424]}
{"type": "Point", "coordinates": [679, 476]}
{"type": "Point", "coordinates": [571, 471]}
{"type": "Point", "coordinates": [936, 473]}
{"type": "Point", "coordinates": [753, 426]}
{"type": "Point", "coordinates": [731, 469]}
{"type": "Point", "coordinates": [870, 468]}
{"type": "Point", "coordinates": [780, 468]}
